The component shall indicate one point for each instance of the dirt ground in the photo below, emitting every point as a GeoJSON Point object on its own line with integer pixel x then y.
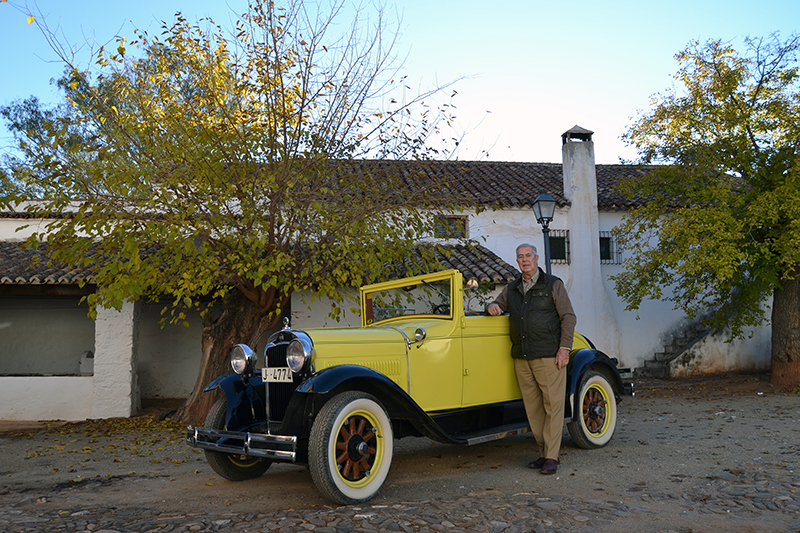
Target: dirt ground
{"type": "Point", "coordinates": [670, 437]}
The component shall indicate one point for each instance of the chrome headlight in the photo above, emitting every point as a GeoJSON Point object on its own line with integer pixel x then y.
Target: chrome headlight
{"type": "Point", "coordinates": [243, 359]}
{"type": "Point", "coordinates": [298, 354]}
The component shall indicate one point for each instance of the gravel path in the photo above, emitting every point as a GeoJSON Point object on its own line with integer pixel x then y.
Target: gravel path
{"type": "Point", "coordinates": [718, 455]}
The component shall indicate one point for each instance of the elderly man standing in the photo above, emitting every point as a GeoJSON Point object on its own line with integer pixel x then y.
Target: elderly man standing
{"type": "Point", "coordinates": [542, 324]}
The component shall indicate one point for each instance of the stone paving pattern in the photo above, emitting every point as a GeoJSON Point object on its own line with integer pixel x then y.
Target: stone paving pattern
{"type": "Point", "coordinates": [762, 501]}
{"type": "Point", "coordinates": [694, 461]}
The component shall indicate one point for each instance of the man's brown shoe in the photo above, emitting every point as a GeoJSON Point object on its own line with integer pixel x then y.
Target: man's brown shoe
{"type": "Point", "coordinates": [537, 464]}
{"type": "Point", "coordinates": [549, 467]}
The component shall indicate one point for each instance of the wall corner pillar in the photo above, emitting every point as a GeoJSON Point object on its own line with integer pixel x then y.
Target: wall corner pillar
{"type": "Point", "coordinates": [116, 343]}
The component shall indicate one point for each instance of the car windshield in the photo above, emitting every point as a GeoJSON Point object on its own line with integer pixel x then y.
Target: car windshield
{"type": "Point", "coordinates": [420, 298]}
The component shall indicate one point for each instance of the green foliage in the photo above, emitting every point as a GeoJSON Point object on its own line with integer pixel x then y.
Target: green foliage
{"type": "Point", "coordinates": [30, 123]}
{"type": "Point", "coordinates": [719, 229]}
{"type": "Point", "coordinates": [195, 161]}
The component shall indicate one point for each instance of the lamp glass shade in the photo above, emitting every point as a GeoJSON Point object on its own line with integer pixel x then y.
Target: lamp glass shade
{"type": "Point", "coordinates": [544, 207]}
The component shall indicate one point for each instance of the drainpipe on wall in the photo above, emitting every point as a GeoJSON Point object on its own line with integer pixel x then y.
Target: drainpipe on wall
{"type": "Point", "coordinates": [586, 288]}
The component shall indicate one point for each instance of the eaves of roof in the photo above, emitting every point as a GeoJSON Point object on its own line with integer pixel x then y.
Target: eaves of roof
{"type": "Point", "coordinates": [20, 265]}
{"type": "Point", "coordinates": [496, 184]}
{"type": "Point", "coordinates": [499, 185]}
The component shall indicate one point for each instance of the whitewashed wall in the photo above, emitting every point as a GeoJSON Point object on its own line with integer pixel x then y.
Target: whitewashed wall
{"type": "Point", "coordinates": [642, 332]}
{"type": "Point", "coordinates": [13, 229]}
{"type": "Point", "coordinates": [647, 330]}
{"type": "Point", "coordinates": [715, 355]}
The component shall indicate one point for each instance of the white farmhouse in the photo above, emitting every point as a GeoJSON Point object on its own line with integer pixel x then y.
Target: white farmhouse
{"type": "Point", "coordinates": [56, 363]}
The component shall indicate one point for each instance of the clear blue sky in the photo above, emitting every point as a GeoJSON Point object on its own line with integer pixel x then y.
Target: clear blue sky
{"type": "Point", "coordinates": [535, 67]}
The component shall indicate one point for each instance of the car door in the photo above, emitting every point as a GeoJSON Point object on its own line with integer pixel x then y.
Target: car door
{"type": "Point", "coordinates": [435, 367]}
{"type": "Point", "coordinates": [488, 374]}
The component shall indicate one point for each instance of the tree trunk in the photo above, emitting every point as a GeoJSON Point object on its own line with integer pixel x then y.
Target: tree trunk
{"type": "Point", "coordinates": [786, 334]}
{"type": "Point", "coordinates": [240, 322]}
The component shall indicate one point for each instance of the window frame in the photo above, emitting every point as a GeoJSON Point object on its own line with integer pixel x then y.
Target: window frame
{"type": "Point", "coordinates": [445, 224]}
{"type": "Point", "coordinates": [560, 234]}
{"type": "Point", "coordinates": [614, 255]}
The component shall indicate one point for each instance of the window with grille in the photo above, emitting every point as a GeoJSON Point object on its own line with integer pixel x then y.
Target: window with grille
{"type": "Point", "coordinates": [559, 246]}
{"type": "Point", "coordinates": [450, 227]}
{"type": "Point", "coordinates": [609, 252]}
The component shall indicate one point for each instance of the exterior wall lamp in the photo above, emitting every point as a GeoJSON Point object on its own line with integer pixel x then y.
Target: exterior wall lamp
{"type": "Point", "coordinates": [544, 207]}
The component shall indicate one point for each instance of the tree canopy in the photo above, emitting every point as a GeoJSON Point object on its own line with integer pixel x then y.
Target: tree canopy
{"type": "Point", "coordinates": [719, 231]}
{"type": "Point", "coordinates": [202, 164]}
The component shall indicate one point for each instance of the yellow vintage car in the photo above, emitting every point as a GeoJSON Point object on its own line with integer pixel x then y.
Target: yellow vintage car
{"type": "Point", "coordinates": [423, 363]}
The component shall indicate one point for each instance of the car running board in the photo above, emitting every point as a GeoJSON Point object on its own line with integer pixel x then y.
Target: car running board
{"type": "Point", "coordinates": [497, 434]}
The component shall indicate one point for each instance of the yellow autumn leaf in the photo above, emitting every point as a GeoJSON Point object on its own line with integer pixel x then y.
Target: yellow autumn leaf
{"type": "Point", "coordinates": [31, 19]}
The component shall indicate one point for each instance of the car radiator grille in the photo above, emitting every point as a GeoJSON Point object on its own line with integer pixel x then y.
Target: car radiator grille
{"type": "Point", "coordinates": [279, 393]}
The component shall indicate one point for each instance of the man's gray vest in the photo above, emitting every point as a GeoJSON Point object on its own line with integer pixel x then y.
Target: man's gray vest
{"type": "Point", "coordinates": [534, 321]}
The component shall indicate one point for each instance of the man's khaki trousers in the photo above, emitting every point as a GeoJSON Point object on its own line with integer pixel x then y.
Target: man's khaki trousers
{"type": "Point", "coordinates": [543, 388]}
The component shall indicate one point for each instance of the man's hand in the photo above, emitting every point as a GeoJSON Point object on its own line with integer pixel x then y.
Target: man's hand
{"type": "Point", "coordinates": [494, 310]}
{"type": "Point", "coordinates": [562, 358]}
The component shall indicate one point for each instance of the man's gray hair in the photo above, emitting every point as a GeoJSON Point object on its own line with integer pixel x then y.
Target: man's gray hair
{"type": "Point", "coordinates": [526, 245]}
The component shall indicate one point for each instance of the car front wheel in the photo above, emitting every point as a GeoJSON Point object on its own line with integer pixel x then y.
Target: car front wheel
{"type": "Point", "coordinates": [350, 448]}
{"type": "Point", "coordinates": [597, 412]}
{"type": "Point", "coordinates": [231, 466]}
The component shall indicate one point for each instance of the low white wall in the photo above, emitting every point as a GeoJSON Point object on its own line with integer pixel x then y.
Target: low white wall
{"type": "Point", "coordinates": [714, 355]}
{"type": "Point", "coordinates": [46, 397]}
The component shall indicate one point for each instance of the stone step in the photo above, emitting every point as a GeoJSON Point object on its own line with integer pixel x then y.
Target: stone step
{"type": "Point", "coordinates": [674, 345]}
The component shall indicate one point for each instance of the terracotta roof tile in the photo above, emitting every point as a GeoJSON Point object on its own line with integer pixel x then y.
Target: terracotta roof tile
{"type": "Point", "coordinates": [484, 183]}
{"type": "Point", "coordinates": [608, 176]}
{"type": "Point", "coordinates": [479, 263]}
{"type": "Point", "coordinates": [501, 184]}
{"type": "Point", "coordinates": [26, 266]}
{"type": "Point", "coordinates": [509, 184]}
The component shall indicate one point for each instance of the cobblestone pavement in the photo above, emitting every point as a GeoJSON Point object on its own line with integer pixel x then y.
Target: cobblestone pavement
{"type": "Point", "coordinates": [742, 501]}
{"type": "Point", "coordinates": [682, 461]}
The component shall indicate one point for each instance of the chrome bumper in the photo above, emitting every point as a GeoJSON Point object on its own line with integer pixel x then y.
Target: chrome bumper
{"type": "Point", "coordinates": [273, 447]}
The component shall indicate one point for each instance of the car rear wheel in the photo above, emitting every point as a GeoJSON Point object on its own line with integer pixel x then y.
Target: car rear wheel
{"type": "Point", "coordinates": [231, 466]}
{"type": "Point", "coordinates": [596, 406]}
{"type": "Point", "coordinates": [350, 448]}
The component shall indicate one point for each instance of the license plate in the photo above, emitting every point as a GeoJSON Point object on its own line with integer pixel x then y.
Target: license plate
{"type": "Point", "coordinates": [276, 375]}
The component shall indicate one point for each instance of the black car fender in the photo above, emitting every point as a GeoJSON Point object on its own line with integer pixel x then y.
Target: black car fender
{"type": "Point", "coordinates": [316, 390]}
{"type": "Point", "coordinates": [245, 406]}
{"type": "Point", "coordinates": [590, 359]}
